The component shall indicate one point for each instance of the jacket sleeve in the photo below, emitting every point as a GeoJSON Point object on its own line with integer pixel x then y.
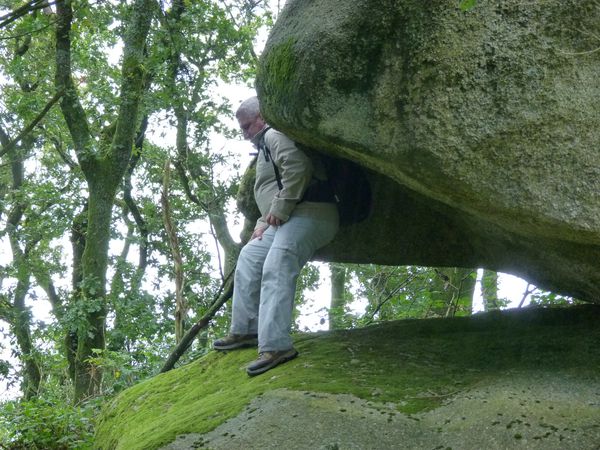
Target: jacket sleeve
{"type": "Point", "coordinates": [296, 172]}
{"type": "Point", "coordinates": [261, 223]}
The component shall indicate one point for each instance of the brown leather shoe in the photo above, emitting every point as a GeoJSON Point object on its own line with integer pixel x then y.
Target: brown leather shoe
{"type": "Point", "coordinates": [233, 341]}
{"type": "Point", "coordinates": [268, 360]}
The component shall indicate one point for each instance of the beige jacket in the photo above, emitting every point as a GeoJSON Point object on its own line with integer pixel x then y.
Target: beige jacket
{"type": "Point", "coordinates": [296, 170]}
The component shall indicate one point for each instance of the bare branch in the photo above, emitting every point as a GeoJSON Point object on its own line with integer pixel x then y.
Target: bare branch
{"type": "Point", "coordinates": [222, 296]}
{"type": "Point", "coordinates": [526, 294]}
{"type": "Point", "coordinates": [22, 10]}
{"type": "Point", "coordinates": [129, 201]}
{"type": "Point", "coordinates": [180, 303]}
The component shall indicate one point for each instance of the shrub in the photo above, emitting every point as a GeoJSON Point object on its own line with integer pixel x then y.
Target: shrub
{"type": "Point", "coordinates": [46, 424]}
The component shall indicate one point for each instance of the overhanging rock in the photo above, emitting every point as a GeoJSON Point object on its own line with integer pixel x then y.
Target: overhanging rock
{"type": "Point", "coordinates": [480, 129]}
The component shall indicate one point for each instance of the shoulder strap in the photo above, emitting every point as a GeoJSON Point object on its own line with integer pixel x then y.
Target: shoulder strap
{"type": "Point", "coordinates": [267, 154]}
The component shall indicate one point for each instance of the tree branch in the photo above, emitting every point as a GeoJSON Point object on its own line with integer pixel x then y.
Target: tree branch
{"type": "Point", "coordinates": [72, 110]}
{"type": "Point", "coordinates": [224, 294]}
{"type": "Point", "coordinates": [526, 294]}
{"type": "Point", "coordinates": [132, 88]}
{"type": "Point", "coordinates": [180, 304]}
{"type": "Point", "coordinates": [211, 205]}
{"type": "Point", "coordinates": [389, 296]}
{"type": "Point", "coordinates": [22, 10]}
{"type": "Point", "coordinates": [63, 155]}
{"type": "Point", "coordinates": [129, 201]}
{"type": "Point", "coordinates": [10, 145]}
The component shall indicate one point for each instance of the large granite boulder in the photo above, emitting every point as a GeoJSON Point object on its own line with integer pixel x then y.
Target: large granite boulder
{"type": "Point", "coordinates": [480, 129]}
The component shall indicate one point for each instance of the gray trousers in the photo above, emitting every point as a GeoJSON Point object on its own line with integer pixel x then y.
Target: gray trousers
{"type": "Point", "coordinates": [266, 275]}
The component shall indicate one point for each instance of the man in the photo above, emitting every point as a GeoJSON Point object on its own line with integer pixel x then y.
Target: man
{"type": "Point", "coordinates": [285, 237]}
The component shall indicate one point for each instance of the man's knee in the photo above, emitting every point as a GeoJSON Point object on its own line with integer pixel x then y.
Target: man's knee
{"type": "Point", "coordinates": [250, 254]}
{"type": "Point", "coordinates": [281, 258]}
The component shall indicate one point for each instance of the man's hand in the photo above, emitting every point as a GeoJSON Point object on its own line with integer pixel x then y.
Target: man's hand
{"type": "Point", "coordinates": [258, 233]}
{"type": "Point", "coordinates": [274, 220]}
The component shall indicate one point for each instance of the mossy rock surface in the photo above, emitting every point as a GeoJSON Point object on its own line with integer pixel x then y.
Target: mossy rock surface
{"type": "Point", "coordinates": [516, 379]}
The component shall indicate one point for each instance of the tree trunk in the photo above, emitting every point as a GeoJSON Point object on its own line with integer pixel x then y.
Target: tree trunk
{"type": "Point", "coordinates": [21, 327]}
{"type": "Point", "coordinates": [103, 170]}
{"type": "Point", "coordinates": [119, 337]}
{"type": "Point", "coordinates": [92, 298]}
{"type": "Point", "coordinates": [210, 202]}
{"type": "Point", "coordinates": [78, 234]}
{"type": "Point", "coordinates": [338, 300]}
{"type": "Point", "coordinates": [489, 290]}
{"type": "Point", "coordinates": [20, 318]}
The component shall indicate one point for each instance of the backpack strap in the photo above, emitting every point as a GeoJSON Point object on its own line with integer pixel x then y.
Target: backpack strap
{"type": "Point", "coordinates": [322, 191]}
{"type": "Point", "coordinates": [262, 146]}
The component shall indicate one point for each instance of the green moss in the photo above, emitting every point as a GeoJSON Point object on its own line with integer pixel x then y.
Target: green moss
{"type": "Point", "coordinates": [278, 72]}
{"type": "Point", "coordinates": [245, 196]}
{"type": "Point", "coordinates": [415, 364]}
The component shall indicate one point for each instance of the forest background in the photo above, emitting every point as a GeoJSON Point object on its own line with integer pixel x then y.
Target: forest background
{"type": "Point", "coordinates": [119, 167]}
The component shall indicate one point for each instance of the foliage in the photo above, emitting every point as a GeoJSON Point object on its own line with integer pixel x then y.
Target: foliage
{"type": "Point", "coordinates": [51, 422]}
{"type": "Point", "coordinates": [391, 293]}
{"type": "Point", "coordinates": [411, 292]}
{"type": "Point", "coordinates": [4, 368]}
{"type": "Point", "coordinates": [44, 194]}
{"type": "Point", "coordinates": [551, 299]}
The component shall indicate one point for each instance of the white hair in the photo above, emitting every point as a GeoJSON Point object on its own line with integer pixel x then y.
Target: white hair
{"type": "Point", "coordinates": [249, 108]}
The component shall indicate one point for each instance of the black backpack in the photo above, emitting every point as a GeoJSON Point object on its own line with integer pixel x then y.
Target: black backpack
{"type": "Point", "coordinates": [351, 189]}
{"type": "Point", "coordinates": [347, 186]}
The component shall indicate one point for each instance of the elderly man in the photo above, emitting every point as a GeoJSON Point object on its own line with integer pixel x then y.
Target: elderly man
{"type": "Point", "coordinates": [287, 234]}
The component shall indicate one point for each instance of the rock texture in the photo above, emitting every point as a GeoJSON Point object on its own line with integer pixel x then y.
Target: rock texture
{"type": "Point", "coordinates": [525, 379]}
{"type": "Point", "coordinates": [481, 129]}
{"type": "Point", "coordinates": [536, 412]}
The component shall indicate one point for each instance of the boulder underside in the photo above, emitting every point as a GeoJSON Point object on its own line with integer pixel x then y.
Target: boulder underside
{"type": "Point", "coordinates": [479, 129]}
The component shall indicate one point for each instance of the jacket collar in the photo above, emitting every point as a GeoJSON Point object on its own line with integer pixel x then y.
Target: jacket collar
{"type": "Point", "coordinates": [259, 136]}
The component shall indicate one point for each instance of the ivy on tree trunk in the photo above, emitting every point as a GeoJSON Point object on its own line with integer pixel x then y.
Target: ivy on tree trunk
{"type": "Point", "coordinates": [103, 168]}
